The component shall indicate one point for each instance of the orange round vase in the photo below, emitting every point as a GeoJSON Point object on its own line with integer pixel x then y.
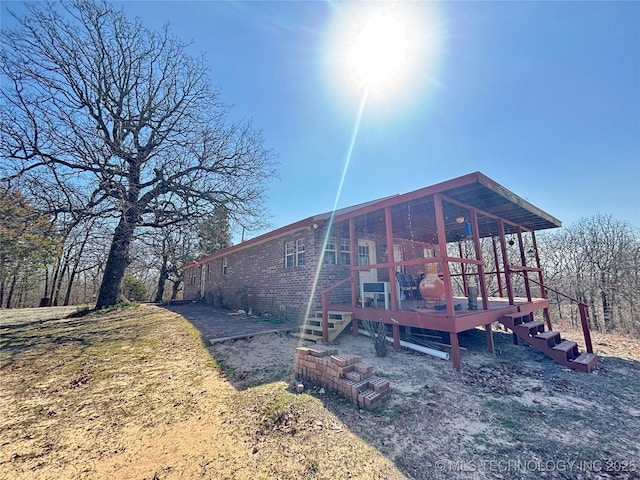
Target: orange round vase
{"type": "Point", "coordinates": [432, 289]}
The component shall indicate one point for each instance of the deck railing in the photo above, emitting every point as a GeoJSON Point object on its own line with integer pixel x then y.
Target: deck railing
{"type": "Point", "coordinates": [583, 308]}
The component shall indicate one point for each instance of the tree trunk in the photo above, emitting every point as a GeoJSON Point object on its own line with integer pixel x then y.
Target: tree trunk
{"type": "Point", "coordinates": [117, 262]}
{"type": "Point", "coordinates": [163, 278]}
{"type": "Point", "coordinates": [175, 289]}
{"type": "Point", "coordinates": [11, 288]}
{"type": "Point", "coordinates": [74, 271]}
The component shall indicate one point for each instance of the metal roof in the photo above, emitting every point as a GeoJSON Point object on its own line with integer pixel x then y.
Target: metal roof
{"type": "Point", "coordinates": [476, 190]}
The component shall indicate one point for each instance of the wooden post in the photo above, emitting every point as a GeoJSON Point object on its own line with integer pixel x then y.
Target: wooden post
{"type": "Point", "coordinates": [396, 337]}
{"type": "Point", "coordinates": [497, 263]}
{"type": "Point", "coordinates": [455, 350]}
{"type": "Point", "coordinates": [442, 245]}
{"type": "Point", "coordinates": [478, 249]}
{"type": "Point", "coordinates": [523, 261]}
{"type": "Point", "coordinates": [392, 271]}
{"type": "Point", "coordinates": [489, 333]}
{"type": "Point", "coordinates": [505, 261]}
{"type": "Point", "coordinates": [355, 277]}
{"type": "Point", "coordinates": [325, 318]}
{"type": "Point", "coordinates": [463, 268]}
{"type": "Point", "coordinates": [543, 291]}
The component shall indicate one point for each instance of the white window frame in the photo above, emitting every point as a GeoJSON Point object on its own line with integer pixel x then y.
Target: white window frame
{"type": "Point", "coordinates": [345, 249]}
{"type": "Point", "coordinates": [225, 264]}
{"type": "Point", "coordinates": [300, 252]}
{"type": "Point", "coordinates": [289, 254]}
{"type": "Point", "coordinates": [330, 252]}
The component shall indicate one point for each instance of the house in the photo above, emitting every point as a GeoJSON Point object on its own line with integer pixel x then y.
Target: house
{"type": "Point", "coordinates": [450, 257]}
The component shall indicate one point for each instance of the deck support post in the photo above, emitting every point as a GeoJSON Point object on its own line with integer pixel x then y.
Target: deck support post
{"type": "Point", "coordinates": [505, 261]}
{"type": "Point", "coordinates": [390, 258]}
{"type": "Point", "coordinates": [396, 337]}
{"type": "Point", "coordinates": [478, 249]}
{"type": "Point", "coordinates": [497, 263]}
{"type": "Point", "coordinates": [354, 262]}
{"type": "Point", "coordinates": [489, 333]}
{"type": "Point", "coordinates": [455, 350]}
{"type": "Point", "coordinates": [523, 262]}
{"type": "Point", "coordinates": [543, 290]}
{"type": "Point", "coordinates": [444, 256]}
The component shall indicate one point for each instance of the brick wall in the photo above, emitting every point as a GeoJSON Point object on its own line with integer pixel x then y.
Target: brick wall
{"type": "Point", "coordinates": [258, 274]}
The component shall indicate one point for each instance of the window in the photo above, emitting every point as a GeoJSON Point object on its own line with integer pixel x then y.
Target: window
{"type": "Point", "coordinates": [294, 253]}
{"type": "Point", "coordinates": [299, 252]}
{"type": "Point", "coordinates": [224, 266]}
{"type": "Point", "coordinates": [208, 271]}
{"type": "Point", "coordinates": [363, 254]}
{"type": "Point", "coordinates": [192, 276]}
{"type": "Point", "coordinates": [289, 253]}
{"type": "Point", "coordinates": [330, 251]}
{"type": "Point", "coordinates": [345, 251]}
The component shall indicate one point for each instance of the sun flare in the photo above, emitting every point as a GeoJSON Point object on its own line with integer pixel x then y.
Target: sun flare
{"type": "Point", "coordinates": [388, 50]}
{"type": "Point", "coordinates": [379, 53]}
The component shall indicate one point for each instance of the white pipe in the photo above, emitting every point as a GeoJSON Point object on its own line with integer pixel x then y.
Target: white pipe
{"type": "Point", "coordinates": [413, 346]}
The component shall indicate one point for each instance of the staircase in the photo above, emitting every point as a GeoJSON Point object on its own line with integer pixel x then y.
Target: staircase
{"type": "Point", "coordinates": [312, 327]}
{"type": "Point", "coordinates": [549, 342]}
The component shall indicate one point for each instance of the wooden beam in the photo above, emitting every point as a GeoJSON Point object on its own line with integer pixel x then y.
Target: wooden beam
{"type": "Point", "coordinates": [392, 271]}
{"type": "Point", "coordinates": [505, 262]}
{"type": "Point", "coordinates": [478, 249]}
{"type": "Point", "coordinates": [489, 334]}
{"type": "Point", "coordinates": [498, 272]}
{"type": "Point", "coordinates": [455, 350]}
{"type": "Point", "coordinates": [442, 246]}
{"type": "Point", "coordinates": [523, 261]}
{"type": "Point", "coordinates": [396, 337]}
{"type": "Point", "coordinates": [355, 277]}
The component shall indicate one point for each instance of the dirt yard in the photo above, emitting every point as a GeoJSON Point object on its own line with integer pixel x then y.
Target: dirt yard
{"type": "Point", "coordinates": [134, 394]}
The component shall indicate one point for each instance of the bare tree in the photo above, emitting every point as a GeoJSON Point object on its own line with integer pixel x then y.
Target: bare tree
{"type": "Point", "coordinates": [595, 261]}
{"type": "Point", "coordinates": [115, 121]}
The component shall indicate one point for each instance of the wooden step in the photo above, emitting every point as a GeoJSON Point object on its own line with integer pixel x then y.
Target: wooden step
{"type": "Point", "coordinates": [316, 328]}
{"type": "Point", "coordinates": [585, 361]}
{"type": "Point", "coordinates": [332, 323]}
{"type": "Point", "coordinates": [551, 338]}
{"type": "Point", "coordinates": [529, 328]}
{"type": "Point", "coordinates": [306, 336]}
{"type": "Point", "coordinates": [510, 320]}
{"type": "Point", "coordinates": [568, 348]}
{"type": "Point", "coordinates": [333, 315]}
{"type": "Point", "coordinates": [312, 328]}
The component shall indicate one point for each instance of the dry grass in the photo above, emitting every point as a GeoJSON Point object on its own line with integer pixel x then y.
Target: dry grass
{"type": "Point", "coordinates": [134, 394]}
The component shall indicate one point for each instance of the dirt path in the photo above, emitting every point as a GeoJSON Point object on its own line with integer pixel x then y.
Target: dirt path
{"type": "Point", "coordinates": [134, 394]}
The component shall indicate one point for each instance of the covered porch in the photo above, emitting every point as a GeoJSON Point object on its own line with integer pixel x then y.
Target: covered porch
{"type": "Point", "coordinates": [468, 244]}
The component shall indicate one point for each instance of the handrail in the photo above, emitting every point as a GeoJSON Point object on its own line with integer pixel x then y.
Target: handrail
{"type": "Point", "coordinates": [583, 309]}
{"type": "Point", "coordinates": [521, 268]}
{"type": "Point", "coordinates": [325, 304]}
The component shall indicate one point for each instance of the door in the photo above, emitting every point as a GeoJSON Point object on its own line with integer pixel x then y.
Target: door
{"type": "Point", "coordinates": [367, 256]}
{"type": "Point", "coordinates": [398, 256]}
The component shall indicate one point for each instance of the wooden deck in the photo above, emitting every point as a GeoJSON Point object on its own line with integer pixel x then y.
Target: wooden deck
{"type": "Point", "coordinates": [414, 314]}
{"type": "Point", "coordinates": [431, 319]}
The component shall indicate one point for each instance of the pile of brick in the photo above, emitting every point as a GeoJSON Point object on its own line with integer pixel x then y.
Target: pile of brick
{"type": "Point", "coordinates": [344, 374]}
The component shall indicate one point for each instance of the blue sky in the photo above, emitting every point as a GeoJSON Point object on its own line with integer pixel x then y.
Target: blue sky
{"type": "Point", "coordinates": [543, 97]}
